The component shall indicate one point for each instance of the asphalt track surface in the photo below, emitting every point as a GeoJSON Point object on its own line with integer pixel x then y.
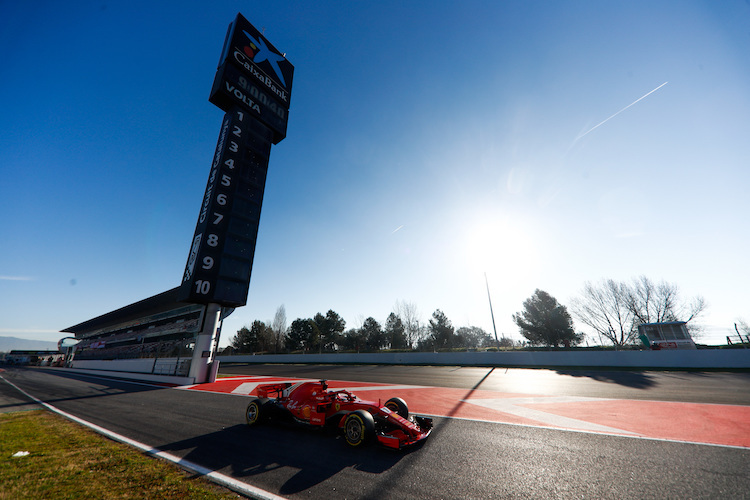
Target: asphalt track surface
{"type": "Point", "coordinates": [462, 459]}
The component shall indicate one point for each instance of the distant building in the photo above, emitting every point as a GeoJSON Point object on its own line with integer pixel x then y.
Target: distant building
{"type": "Point", "coordinates": [669, 335]}
{"type": "Point", "coordinates": [30, 357]}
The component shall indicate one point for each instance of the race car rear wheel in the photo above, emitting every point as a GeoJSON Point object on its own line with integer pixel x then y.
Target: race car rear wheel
{"type": "Point", "coordinates": [359, 428]}
{"type": "Point", "coordinates": [254, 411]}
{"type": "Point", "coordinates": [398, 406]}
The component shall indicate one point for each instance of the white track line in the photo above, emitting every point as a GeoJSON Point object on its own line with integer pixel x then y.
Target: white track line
{"type": "Point", "coordinates": [375, 388]}
{"type": "Point", "coordinates": [217, 477]}
{"type": "Point", "coordinates": [246, 388]}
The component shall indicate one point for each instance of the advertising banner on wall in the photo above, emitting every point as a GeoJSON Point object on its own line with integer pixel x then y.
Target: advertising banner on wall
{"type": "Point", "coordinates": [255, 75]}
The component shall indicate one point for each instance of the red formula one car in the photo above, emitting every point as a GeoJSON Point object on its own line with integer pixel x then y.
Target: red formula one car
{"type": "Point", "coordinates": [312, 404]}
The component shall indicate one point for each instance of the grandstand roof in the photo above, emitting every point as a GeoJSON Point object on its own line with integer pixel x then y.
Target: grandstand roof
{"type": "Point", "coordinates": [163, 302]}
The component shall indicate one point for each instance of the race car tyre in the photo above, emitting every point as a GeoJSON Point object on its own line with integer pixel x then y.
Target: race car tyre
{"type": "Point", "coordinates": [254, 412]}
{"type": "Point", "coordinates": [399, 406]}
{"type": "Point", "coordinates": [359, 428]}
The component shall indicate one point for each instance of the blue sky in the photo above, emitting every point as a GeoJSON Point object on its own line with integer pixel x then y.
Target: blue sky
{"type": "Point", "coordinates": [429, 143]}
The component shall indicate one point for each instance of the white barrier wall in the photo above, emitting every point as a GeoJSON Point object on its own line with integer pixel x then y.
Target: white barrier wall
{"type": "Point", "coordinates": [159, 366]}
{"type": "Point", "coordinates": [142, 365]}
{"type": "Point", "coordinates": [146, 377]}
{"type": "Point", "coordinates": [677, 359]}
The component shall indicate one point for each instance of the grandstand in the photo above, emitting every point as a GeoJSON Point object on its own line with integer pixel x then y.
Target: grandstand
{"type": "Point", "coordinates": [157, 335]}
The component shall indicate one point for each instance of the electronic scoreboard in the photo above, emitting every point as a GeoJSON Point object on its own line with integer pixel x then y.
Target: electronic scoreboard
{"type": "Point", "coordinates": [253, 86]}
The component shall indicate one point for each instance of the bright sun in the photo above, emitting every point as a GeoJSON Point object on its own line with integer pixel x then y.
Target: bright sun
{"type": "Point", "coordinates": [502, 248]}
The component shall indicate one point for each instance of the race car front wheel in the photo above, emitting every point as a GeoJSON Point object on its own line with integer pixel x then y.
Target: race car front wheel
{"type": "Point", "coordinates": [359, 428]}
{"type": "Point", "coordinates": [253, 412]}
{"type": "Point", "coordinates": [398, 405]}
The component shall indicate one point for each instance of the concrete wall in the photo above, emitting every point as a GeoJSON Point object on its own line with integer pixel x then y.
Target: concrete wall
{"type": "Point", "coordinates": [710, 359]}
{"type": "Point", "coordinates": [140, 365]}
{"type": "Point", "coordinates": [146, 377]}
{"type": "Point", "coordinates": [149, 369]}
{"type": "Point", "coordinates": [665, 359]}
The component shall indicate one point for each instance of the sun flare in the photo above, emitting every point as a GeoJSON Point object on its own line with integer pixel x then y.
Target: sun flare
{"type": "Point", "coordinates": [503, 248]}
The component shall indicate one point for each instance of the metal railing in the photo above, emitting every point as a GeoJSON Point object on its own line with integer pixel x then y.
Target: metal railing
{"type": "Point", "coordinates": [743, 340]}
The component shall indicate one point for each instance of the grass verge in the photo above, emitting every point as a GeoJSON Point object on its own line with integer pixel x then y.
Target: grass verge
{"type": "Point", "coordinates": [66, 460]}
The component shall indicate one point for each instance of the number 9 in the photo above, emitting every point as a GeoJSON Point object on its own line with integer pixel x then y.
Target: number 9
{"type": "Point", "coordinates": [208, 262]}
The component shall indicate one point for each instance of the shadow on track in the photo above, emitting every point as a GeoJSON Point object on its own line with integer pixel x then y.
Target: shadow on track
{"type": "Point", "coordinates": [384, 488]}
{"type": "Point", "coordinates": [636, 380]}
{"type": "Point", "coordinates": [104, 386]}
{"type": "Point", "coordinates": [274, 451]}
{"type": "Point", "coordinates": [443, 422]}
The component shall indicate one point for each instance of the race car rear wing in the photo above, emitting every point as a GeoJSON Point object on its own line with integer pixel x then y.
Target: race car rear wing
{"type": "Point", "coordinates": [266, 391]}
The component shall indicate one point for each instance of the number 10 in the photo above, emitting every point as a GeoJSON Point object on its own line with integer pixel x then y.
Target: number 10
{"type": "Point", "coordinates": [202, 287]}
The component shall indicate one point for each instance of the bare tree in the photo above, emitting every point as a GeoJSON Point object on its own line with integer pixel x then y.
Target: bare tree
{"type": "Point", "coordinates": [605, 307]}
{"type": "Point", "coordinates": [615, 309]}
{"type": "Point", "coordinates": [279, 328]}
{"type": "Point", "coordinates": [659, 302]}
{"type": "Point", "coordinates": [409, 316]}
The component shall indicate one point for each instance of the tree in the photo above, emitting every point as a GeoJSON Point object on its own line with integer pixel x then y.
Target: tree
{"type": "Point", "coordinates": [615, 309]}
{"type": "Point", "coordinates": [473, 337]}
{"type": "Point", "coordinates": [353, 340]}
{"type": "Point", "coordinates": [395, 332]}
{"type": "Point", "coordinates": [303, 335]}
{"type": "Point", "coordinates": [545, 321]}
{"type": "Point", "coordinates": [265, 336]}
{"type": "Point", "coordinates": [606, 308]}
{"type": "Point", "coordinates": [331, 327]}
{"type": "Point", "coordinates": [254, 339]}
{"type": "Point", "coordinates": [242, 341]}
{"type": "Point", "coordinates": [279, 328]}
{"type": "Point", "coordinates": [373, 333]}
{"type": "Point", "coordinates": [660, 302]}
{"type": "Point", "coordinates": [504, 342]}
{"type": "Point", "coordinates": [441, 330]}
{"type": "Point", "coordinates": [409, 316]}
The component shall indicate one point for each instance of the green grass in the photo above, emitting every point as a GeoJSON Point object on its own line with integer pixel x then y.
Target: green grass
{"type": "Point", "coordinates": [67, 460]}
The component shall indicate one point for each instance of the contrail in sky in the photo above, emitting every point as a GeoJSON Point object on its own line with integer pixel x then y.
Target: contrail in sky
{"type": "Point", "coordinates": [623, 109]}
{"type": "Point", "coordinates": [398, 228]}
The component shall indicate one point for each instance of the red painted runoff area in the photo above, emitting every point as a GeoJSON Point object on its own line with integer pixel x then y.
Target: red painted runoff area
{"type": "Point", "coordinates": [726, 425]}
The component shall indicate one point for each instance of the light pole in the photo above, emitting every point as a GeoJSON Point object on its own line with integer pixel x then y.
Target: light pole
{"type": "Point", "coordinates": [492, 314]}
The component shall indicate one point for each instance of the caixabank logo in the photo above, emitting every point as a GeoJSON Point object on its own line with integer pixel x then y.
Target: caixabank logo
{"type": "Point", "coordinates": [254, 54]}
